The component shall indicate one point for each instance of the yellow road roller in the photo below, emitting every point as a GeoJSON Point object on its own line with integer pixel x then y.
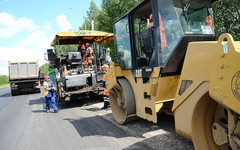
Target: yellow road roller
{"type": "Point", "coordinates": [170, 61]}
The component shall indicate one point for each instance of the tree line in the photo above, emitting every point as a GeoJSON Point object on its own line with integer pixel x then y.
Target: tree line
{"type": "Point", "coordinates": [45, 69]}
{"type": "Point", "coordinates": [4, 79]}
{"type": "Point", "coordinates": [226, 15]}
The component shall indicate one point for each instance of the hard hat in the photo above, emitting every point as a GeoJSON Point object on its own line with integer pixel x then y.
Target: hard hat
{"type": "Point", "coordinates": [105, 66]}
{"type": "Point", "coordinates": [47, 77]}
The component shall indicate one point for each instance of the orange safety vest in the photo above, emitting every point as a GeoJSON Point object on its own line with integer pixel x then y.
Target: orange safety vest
{"type": "Point", "coordinates": [105, 89]}
{"type": "Point", "coordinates": [46, 91]}
{"type": "Point", "coordinates": [209, 22]}
{"type": "Point", "coordinates": [89, 51]}
{"type": "Point", "coordinates": [83, 49]}
{"type": "Point", "coordinates": [162, 34]}
{"type": "Point", "coordinates": [85, 66]}
{"type": "Point", "coordinates": [150, 25]}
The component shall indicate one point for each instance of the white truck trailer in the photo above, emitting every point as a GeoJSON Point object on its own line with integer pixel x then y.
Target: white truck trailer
{"type": "Point", "coordinates": [24, 77]}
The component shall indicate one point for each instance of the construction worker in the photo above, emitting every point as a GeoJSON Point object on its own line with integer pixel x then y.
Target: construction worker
{"type": "Point", "coordinates": [89, 56]}
{"type": "Point", "coordinates": [209, 22]}
{"type": "Point", "coordinates": [151, 22]}
{"type": "Point", "coordinates": [82, 48]}
{"type": "Point", "coordinates": [162, 34]}
{"type": "Point", "coordinates": [49, 94]}
{"type": "Point", "coordinates": [65, 72]}
{"type": "Point", "coordinates": [106, 94]}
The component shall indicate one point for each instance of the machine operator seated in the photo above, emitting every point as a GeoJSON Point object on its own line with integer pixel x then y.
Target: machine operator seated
{"type": "Point", "coordinates": [148, 39]}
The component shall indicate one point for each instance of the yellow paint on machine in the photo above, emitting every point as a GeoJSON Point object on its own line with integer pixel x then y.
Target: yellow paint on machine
{"type": "Point", "coordinates": [146, 108]}
{"type": "Point", "coordinates": [225, 73]}
{"type": "Point", "coordinates": [215, 74]}
{"type": "Point", "coordinates": [71, 37]}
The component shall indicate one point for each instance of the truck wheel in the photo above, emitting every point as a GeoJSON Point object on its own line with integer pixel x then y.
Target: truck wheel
{"type": "Point", "coordinates": [122, 102]}
{"type": "Point", "coordinates": [58, 97]}
{"type": "Point", "coordinates": [212, 127]}
{"type": "Point", "coordinates": [38, 90]}
{"type": "Point", "coordinates": [14, 92]}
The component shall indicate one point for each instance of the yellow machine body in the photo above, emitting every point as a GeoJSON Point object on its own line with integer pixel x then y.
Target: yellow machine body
{"type": "Point", "coordinates": [214, 76]}
{"type": "Point", "coordinates": [159, 89]}
{"type": "Point", "coordinates": [225, 73]}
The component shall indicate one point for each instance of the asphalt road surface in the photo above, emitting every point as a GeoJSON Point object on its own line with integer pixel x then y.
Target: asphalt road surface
{"type": "Point", "coordinates": [24, 125]}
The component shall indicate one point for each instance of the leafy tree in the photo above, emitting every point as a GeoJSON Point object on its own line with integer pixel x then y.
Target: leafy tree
{"type": "Point", "coordinates": [4, 79]}
{"type": "Point", "coordinates": [110, 11]}
{"type": "Point", "coordinates": [66, 48]}
{"type": "Point", "coordinates": [46, 69]}
{"type": "Point", "coordinates": [92, 14]}
{"type": "Point", "coordinates": [113, 10]}
{"type": "Point", "coordinates": [227, 17]}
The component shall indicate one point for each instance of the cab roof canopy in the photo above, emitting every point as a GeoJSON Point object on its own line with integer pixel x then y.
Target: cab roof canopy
{"type": "Point", "coordinates": [72, 37]}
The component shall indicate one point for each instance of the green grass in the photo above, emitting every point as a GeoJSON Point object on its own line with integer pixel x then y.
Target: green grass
{"type": "Point", "coordinates": [4, 85]}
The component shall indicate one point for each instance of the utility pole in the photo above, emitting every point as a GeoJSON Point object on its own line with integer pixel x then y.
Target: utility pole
{"type": "Point", "coordinates": [90, 21]}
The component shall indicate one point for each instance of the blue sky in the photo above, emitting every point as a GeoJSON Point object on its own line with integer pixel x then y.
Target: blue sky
{"type": "Point", "coordinates": [27, 27]}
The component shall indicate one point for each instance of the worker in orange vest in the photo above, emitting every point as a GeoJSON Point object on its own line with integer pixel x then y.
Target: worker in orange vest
{"type": "Point", "coordinates": [209, 22]}
{"type": "Point", "coordinates": [151, 22]}
{"type": "Point", "coordinates": [82, 48]}
{"type": "Point", "coordinates": [49, 94]}
{"type": "Point", "coordinates": [106, 93]}
{"type": "Point", "coordinates": [89, 56]}
{"type": "Point", "coordinates": [162, 34]}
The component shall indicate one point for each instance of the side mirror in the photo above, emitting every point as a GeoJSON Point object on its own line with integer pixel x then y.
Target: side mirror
{"type": "Point", "coordinates": [45, 54]}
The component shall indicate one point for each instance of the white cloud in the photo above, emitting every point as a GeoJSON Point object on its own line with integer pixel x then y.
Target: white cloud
{"type": "Point", "coordinates": [47, 27]}
{"type": "Point", "coordinates": [32, 48]}
{"type": "Point", "coordinates": [36, 39]}
{"type": "Point", "coordinates": [4, 68]}
{"type": "Point", "coordinates": [63, 23]}
{"type": "Point", "coordinates": [10, 26]}
{"type": "Point", "coordinates": [19, 53]}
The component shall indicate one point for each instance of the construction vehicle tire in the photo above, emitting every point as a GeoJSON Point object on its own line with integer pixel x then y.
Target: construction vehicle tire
{"type": "Point", "coordinates": [210, 125]}
{"type": "Point", "coordinates": [122, 102]}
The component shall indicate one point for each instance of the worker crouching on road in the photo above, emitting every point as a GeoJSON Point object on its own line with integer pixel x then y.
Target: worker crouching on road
{"type": "Point", "coordinates": [106, 94]}
{"type": "Point", "coordinates": [49, 93]}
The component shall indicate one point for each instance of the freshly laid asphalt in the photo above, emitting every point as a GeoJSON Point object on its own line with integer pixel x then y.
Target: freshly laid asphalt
{"type": "Point", "coordinates": [81, 124]}
{"type": "Point", "coordinates": [25, 125]}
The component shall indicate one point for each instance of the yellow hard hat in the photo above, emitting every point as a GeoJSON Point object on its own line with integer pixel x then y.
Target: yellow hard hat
{"type": "Point", "coordinates": [105, 66]}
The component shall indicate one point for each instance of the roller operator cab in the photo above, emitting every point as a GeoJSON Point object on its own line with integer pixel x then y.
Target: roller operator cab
{"type": "Point", "coordinates": [175, 24]}
{"type": "Point", "coordinates": [151, 42]}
